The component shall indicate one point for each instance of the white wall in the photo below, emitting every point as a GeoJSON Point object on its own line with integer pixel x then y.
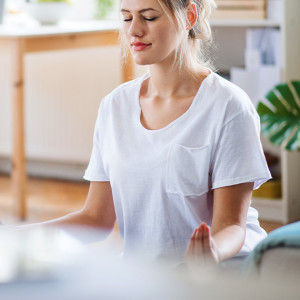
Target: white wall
{"type": "Point", "coordinates": [62, 93]}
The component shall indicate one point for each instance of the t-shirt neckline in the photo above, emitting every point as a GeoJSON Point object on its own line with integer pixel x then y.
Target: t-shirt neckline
{"type": "Point", "coordinates": [184, 115]}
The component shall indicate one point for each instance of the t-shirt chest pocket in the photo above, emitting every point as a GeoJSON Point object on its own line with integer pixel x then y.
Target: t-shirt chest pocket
{"type": "Point", "coordinates": [188, 170]}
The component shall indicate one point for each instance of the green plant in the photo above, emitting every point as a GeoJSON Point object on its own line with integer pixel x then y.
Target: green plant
{"type": "Point", "coordinates": [103, 7]}
{"type": "Point", "coordinates": [280, 115]}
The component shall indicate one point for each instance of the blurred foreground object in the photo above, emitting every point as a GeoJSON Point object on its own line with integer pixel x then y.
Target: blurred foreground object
{"type": "Point", "coordinates": [277, 256]}
{"type": "Point", "coordinates": [35, 254]}
{"type": "Point", "coordinates": [51, 265]}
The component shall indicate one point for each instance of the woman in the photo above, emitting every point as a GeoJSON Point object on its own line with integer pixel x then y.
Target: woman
{"type": "Point", "coordinates": [176, 152]}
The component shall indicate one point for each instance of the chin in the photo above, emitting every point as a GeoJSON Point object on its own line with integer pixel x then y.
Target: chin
{"type": "Point", "coordinates": [142, 61]}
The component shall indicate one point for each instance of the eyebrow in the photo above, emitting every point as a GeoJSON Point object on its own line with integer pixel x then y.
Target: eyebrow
{"type": "Point", "coordinates": [140, 11]}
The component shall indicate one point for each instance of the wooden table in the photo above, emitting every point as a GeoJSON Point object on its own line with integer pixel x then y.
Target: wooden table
{"type": "Point", "coordinates": [30, 39]}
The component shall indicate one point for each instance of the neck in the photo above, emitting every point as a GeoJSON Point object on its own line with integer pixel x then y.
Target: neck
{"type": "Point", "coordinates": [168, 80]}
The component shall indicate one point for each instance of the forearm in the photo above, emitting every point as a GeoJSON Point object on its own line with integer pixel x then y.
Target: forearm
{"type": "Point", "coordinates": [78, 224]}
{"type": "Point", "coordinates": [228, 241]}
{"type": "Point", "coordinates": [73, 219]}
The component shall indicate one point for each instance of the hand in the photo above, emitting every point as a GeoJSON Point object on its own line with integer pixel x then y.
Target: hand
{"type": "Point", "coordinates": [202, 249]}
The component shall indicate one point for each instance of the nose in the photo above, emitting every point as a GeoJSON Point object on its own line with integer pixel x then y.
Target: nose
{"type": "Point", "coordinates": [136, 28]}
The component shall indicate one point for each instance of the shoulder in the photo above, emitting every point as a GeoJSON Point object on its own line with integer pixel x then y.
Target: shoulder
{"type": "Point", "coordinates": [229, 93]}
{"type": "Point", "coordinates": [228, 97]}
{"type": "Point", "coordinates": [124, 93]}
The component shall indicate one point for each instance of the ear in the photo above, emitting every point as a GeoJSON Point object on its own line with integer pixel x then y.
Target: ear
{"type": "Point", "coordinates": [192, 15]}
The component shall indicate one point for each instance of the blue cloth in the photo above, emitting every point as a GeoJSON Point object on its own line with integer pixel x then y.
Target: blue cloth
{"type": "Point", "coordinates": [286, 236]}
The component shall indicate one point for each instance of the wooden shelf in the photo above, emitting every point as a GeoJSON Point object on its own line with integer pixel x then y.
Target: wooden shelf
{"type": "Point", "coordinates": [245, 23]}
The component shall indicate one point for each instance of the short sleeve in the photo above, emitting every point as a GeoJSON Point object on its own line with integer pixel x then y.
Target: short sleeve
{"type": "Point", "coordinates": [95, 170]}
{"type": "Point", "coordinates": [238, 155]}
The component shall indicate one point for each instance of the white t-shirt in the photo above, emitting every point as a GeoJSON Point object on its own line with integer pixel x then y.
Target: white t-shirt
{"type": "Point", "coordinates": [162, 180]}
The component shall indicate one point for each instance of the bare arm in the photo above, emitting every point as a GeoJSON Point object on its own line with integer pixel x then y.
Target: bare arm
{"type": "Point", "coordinates": [230, 209]}
{"type": "Point", "coordinates": [226, 236]}
{"type": "Point", "coordinates": [97, 213]}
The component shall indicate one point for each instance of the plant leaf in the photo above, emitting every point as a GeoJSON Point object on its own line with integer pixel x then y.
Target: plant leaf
{"type": "Point", "coordinates": [280, 135]}
{"type": "Point", "coordinates": [270, 124]}
{"type": "Point", "coordinates": [294, 142]}
{"type": "Point", "coordinates": [280, 115]}
{"type": "Point", "coordinates": [262, 109]}
{"type": "Point", "coordinates": [276, 102]}
{"type": "Point", "coordinates": [287, 95]}
{"type": "Point", "coordinates": [296, 85]}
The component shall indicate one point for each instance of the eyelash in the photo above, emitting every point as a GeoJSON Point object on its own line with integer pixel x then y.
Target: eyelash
{"type": "Point", "coordinates": [147, 19]}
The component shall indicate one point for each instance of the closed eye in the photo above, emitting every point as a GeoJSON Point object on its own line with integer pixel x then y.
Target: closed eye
{"type": "Point", "coordinates": [147, 19]}
{"type": "Point", "coordinates": [150, 19]}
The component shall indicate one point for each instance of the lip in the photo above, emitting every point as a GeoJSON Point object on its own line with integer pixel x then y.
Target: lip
{"type": "Point", "coordinates": [139, 46]}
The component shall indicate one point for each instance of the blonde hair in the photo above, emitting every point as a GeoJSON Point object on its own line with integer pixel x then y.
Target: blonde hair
{"type": "Point", "coordinates": [195, 43]}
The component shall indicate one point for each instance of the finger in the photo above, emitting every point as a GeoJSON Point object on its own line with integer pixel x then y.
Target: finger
{"type": "Point", "coordinates": [207, 246]}
{"type": "Point", "coordinates": [194, 233]}
{"type": "Point", "coordinates": [189, 253]}
{"type": "Point", "coordinates": [206, 240]}
{"type": "Point", "coordinates": [190, 250]}
{"type": "Point", "coordinates": [198, 248]}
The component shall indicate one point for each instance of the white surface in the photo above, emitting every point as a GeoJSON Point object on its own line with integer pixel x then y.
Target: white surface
{"type": "Point", "coordinates": [252, 59]}
{"type": "Point", "coordinates": [33, 29]}
{"type": "Point", "coordinates": [63, 92]}
{"type": "Point", "coordinates": [274, 9]}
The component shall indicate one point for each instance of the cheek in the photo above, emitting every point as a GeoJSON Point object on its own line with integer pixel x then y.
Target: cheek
{"type": "Point", "coordinates": [168, 37]}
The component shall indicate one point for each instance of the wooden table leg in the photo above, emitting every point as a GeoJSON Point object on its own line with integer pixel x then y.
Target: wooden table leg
{"type": "Point", "coordinates": [19, 178]}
